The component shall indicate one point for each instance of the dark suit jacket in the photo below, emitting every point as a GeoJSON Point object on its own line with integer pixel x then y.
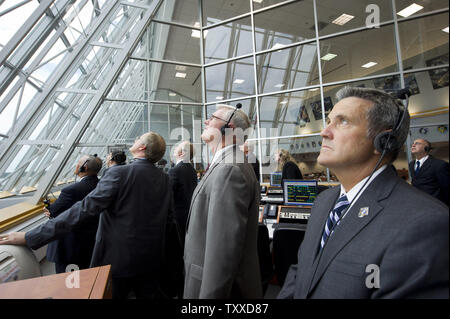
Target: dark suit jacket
{"type": "Point", "coordinates": [183, 178]}
{"type": "Point", "coordinates": [432, 178]}
{"type": "Point", "coordinates": [134, 200]}
{"type": "Point", "coordinates": [77, 246]}
{"type": "Point", "coordinates": [404, 234]}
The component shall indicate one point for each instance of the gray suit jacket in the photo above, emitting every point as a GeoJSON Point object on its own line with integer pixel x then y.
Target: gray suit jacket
{"type": "Point", "coordinates": [405, 235]}
{"type": "Point", "coordinates": [220, 256]}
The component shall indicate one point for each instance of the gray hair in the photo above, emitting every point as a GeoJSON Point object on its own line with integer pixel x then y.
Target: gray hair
{"type": "Point", "coordinates": [383, 115]}
{"type": "Point", "coordinates": [155, 146]}
{"type": "Point", "coordinates": [239, 120]}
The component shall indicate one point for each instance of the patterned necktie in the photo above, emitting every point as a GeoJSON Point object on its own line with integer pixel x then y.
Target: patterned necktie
{"type": "Point", "coordinates": [333, 218]}
{"type": "Point", "coordinates": [417, 167]}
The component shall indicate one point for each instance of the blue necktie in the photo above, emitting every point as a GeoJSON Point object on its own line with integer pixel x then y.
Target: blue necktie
{"type": "Point", "coordinates": [417, 167]}
{"type": "Point", "coordinates": [333, 218]}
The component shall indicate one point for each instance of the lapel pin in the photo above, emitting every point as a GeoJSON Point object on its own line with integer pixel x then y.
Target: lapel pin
{"type": "Point", "coordinates": [363, 212]}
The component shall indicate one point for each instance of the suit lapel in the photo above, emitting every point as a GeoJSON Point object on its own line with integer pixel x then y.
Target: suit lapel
{"type": "Point", "coordinates": [203, 180]}
{"type": "Point", "coordinates": [351, 225]}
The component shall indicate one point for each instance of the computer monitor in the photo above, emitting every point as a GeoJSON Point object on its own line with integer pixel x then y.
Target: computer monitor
{"type": "Point", "coordinates": [275, 179]}
{"type": "Point", "coordinates": [299, 192]}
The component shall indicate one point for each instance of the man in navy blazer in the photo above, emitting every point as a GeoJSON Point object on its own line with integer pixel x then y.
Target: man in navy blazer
{"type": "Point", "coordinates": [183, 178]}
{"type": "Point", "coordinates": [374, 236]}
{"type": "Point", "coordinates": [134, 200]}
{"type": "Point", "coordinates": [77, 246]}
{"type": "Point", "coordinates": [432, 175]}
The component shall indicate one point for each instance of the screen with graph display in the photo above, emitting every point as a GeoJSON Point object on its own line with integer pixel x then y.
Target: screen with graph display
{"type": "Point", "coordinates": [299, 192]}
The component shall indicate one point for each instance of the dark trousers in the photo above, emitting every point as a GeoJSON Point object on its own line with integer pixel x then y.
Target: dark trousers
{"type": "Point", "coordinates": [60, 268]}
{"type": "Point", "coordinates": [144, 287]}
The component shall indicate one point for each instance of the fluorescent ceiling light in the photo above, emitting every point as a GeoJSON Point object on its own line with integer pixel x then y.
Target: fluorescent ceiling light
{"type": "Point", "coordinates": [180, 75]}
{"type": "Point", "coordinates": [258, 1]}
{"type": "Point", "coordinates": [238, 81]}
{"type": "Point", "coordinates": [369, 65]}
{"type": "Point", "coordinates": [329, 56]}
{"type": "Point", "coordinates": [180, 68]}
{"type": "Point", "coordinates": [196, 33]}
{"type": "Point", "coordinates": [410, 10]}
{"type": "Point", "coordinates": [219, 97]}
{"type": "Point", "coordinates": [279, 85]}
{"type": "Point", "coordinates": [172, 94]}
{"type": "Point", "coordinates": [445, 29]}
{"type": "Point", "coordinates": [283, 102]}
{"type": "Point", "coordinates": [312, 90]}
{"type": "Point", "coordinates": [342, 19]}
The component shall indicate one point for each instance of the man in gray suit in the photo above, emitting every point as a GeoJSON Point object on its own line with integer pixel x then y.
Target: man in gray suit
{"type": "Point", "coordinates": [220, 255]}
{"type": "Point", "coordinates": [134, 202]}
{"type": "Point", "coordinates": [375, 236]}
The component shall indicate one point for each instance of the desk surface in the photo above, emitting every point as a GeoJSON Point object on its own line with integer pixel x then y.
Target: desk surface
{"type": "Point", "coordinates": [94, 283]}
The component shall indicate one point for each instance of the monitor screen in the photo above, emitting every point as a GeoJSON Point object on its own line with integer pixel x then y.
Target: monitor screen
{"type": "Point", "coordinates": [275, 179]}
{"type": "Point", "coordinates": [300, 192]}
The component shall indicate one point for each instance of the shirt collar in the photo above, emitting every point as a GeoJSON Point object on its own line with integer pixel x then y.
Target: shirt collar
{"type": "Point", "coordinates": [219, 154]}
{"type": "Point", "coordinates": [422, 160]}
{"type": "Point", "coordinates": [355, 189]}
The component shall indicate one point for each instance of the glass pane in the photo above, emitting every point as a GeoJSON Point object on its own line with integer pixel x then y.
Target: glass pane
{"type": "Point", "coordinates": [406, 8]}
{"type": "Point", "coordinates": [350, 56]}
{"type": "Point", "coordinates": [430, 92]}
{"type": "Point", "coordinates": [131, 83]}
{"type": "Point", "coordinates": [284, 25]}
{"type": "Point", "coordinates": [165, 80]}
{"type": "Point", "coordinates": [9, 22]}
{"type": "Point", "coordinates": [287, 69]}
{"type": "Point", "coordinates": [291, 113]}
{"type": "Point", "coordinates": [162, 41]}
{"type": "Point", "coordinates": [182, 11]}
{"type": "Point", "coordinates": [228, 41]}
{"type": "Point", "coordinates": [338, 16]}
{"type": "Point", "coordinates": [117, 123]}
{"type": "Point", "coordinates": [230, 80]}
{"type": "Point", "coordinates": [304, 150]}
{"type": "Point", "coordinates": [215, 11]}
{"type": "Point", "coordinates": [428, 46]}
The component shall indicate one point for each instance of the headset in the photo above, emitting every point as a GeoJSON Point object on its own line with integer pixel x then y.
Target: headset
{"type": "Point", "coordinates": [384, 143]}
{"type": "Point", "coordinates": [119, 157]}
{"type": "Point", "coordinates": [83, 168]}
{"type": "Point", "coordinates": [428, 147]}
{"type": "Point", "coordinates": [223, 128]}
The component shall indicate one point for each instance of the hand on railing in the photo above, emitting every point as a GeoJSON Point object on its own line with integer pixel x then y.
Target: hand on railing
{"type": "Point", "coordinates": [13, 239]}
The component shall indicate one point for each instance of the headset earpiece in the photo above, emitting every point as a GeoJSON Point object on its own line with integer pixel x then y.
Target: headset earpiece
{"type": "Point", "coordinates": [384, 142]}
{"type": "Point", "coordinates": [83, 167]}
{"type": "Point", "coordinates": [223, 128]}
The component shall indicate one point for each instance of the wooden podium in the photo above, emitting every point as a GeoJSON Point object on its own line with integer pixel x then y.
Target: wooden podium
{"type": "Point", "coordinates": [94, 283]}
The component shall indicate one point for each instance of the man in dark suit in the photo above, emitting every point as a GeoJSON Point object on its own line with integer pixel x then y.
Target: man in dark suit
{"type": "Point", "coordinates": [374, 236]}
{"type": "Point", "coordinates": [428, 173]}
{"type": "Point", "coordinates": [183, 178]}
{"type": "Point", "coordinates": [134, 200]}
{"type": "Point", "coordinates": [77, 246]}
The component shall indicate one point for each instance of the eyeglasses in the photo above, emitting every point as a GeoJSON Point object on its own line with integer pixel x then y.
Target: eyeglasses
{"type": "Point", "coordinates": [215, 117]}
{"type": "Point", "coordinates": [418, 143]}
